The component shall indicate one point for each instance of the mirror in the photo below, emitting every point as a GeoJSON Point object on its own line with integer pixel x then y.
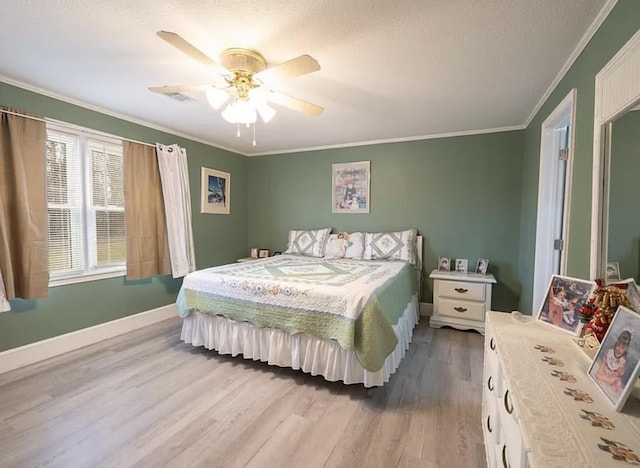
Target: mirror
{"type": "Point", "coordinates": [623, 206]}
{"type": "Point", "coordinates": [615, 230]}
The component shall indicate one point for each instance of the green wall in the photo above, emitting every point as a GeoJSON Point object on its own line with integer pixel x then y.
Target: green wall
{"type": "Point", "coordinates": [624, 211]}
{"type": "Point", "coordinates": [461, 193]}
{"type": "Point", "coordinates": [218, 238]}
{"type": "Point", "coordinates": [617, 29]}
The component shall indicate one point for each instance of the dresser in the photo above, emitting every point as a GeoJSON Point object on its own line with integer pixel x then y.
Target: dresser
{"type": "Point", "coordinates": [460, 300]}
{"type": "Point", "coordinates": [541, 409]}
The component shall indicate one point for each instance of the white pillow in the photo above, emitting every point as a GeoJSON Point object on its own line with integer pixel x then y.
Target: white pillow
{"type": "Point", "coordinates": [309, 243]}
{"type": "Point", "coordinates": [398, 245]}
{"type": "Point", "coordinates": [355, 245]}
{"type": "Point", "coordinates": [336, 247]}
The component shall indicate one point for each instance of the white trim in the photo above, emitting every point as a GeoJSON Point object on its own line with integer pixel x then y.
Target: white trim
{"type": "Point", "coordinates": [75, 102]}
{"type": "Point", "coordinates": [595, 25]}
{"type": "Point", "coordinates": [617, 89]}
{"type": "Point", "coordinates": [426, 309]}
{"type": "Point", "coordinates": [547, 177]}
{"type": "Point", "coordinates": [84, 278]}
{"type": "Point", "coordinates": [393, 140]}
{"type": "Point", "coordinates": [51, 347]}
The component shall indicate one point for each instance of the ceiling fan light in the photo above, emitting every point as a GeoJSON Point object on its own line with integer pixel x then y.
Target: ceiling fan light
{"type": "Point", "coordinates": [266, 113]}
{"type": "Point", "coordinates": [240, 112]}
{"type": "Point", "coordinates": [216, 97]}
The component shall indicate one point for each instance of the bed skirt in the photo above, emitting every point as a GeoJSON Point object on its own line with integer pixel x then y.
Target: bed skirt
{"type": "Point", "coordinates": [300, 351]}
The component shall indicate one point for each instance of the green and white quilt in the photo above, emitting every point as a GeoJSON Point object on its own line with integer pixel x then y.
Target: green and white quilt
{"type": "Point", "coordinates": [354, 302]}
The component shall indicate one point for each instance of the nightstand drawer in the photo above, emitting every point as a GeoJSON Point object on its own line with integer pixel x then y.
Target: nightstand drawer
{"type": "Point", "coordinates": [461, 309]}
{"type": "Point", "coordinates": [462, 290]}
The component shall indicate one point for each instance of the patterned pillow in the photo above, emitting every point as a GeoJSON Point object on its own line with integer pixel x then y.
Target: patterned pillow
{"type": "Point", "coordinates": [355, 245]}
{"type": "Point", "coordinates": [309, 243]}
{"type": "Point", "coordinates": [399, 245]}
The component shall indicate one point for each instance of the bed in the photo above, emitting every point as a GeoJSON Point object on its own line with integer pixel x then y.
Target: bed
{"type": "Point", "coordinates": [348, 320]}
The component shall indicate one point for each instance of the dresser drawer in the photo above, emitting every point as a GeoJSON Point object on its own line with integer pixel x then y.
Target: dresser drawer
{"type": "Point", "coordinates": [461, 309]}
{"type": "Point", "coordinates": [462, 290]}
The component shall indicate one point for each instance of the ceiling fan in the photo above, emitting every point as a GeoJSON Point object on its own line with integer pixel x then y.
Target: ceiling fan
{"type": "Point", "coordinates": [241, 81]}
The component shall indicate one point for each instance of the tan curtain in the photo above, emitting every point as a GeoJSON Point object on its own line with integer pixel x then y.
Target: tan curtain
{"type": "Point", "coordinates": [23, 206]}
{"type": "Point", "coordinates": [147, 247]}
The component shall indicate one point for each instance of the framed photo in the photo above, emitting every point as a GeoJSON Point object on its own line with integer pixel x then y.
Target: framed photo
{"type": "Point", "coordinates": [616, 366]}
{"type": "Point", "coordinates": [254, 252]}
{"type": "Point", "coordinates": [562, 302]}
{"type": "Point", "coordinates": [350, 187]}
{"type": "Point", "coordinates": [462, 264]}
{"type": "Point", "coordinates": [632, 291]}
{"type": "Point", "coordinates": [613, 271]}
{"type": "Point", "coordinates": [482, 265]}
{"type": "Point", "coordinates": [215, 191]}
{"type": "Point", "coordinates": [444, 264]}
{"type": "Point", "coordinates": [263, 253]}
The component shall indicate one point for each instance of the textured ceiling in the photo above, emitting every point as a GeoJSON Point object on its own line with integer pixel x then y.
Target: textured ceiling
{"type": "Point", "coordinates": [390, 70]}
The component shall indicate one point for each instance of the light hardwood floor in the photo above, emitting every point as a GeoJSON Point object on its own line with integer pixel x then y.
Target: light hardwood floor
{"type": "Point", "coordinates": [147, 399]}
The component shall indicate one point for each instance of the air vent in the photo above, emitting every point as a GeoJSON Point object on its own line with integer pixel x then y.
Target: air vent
{"type": "Point", "coordinates": [179, 97]}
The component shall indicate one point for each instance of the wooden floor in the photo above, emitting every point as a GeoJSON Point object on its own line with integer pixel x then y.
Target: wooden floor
{"type": "Point", "coordinates": [147, 399]}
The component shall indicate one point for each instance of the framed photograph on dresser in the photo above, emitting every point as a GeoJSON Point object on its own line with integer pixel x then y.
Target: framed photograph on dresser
{"type": "Point", "coordinates": [616, 367]}
{"type": "Point", "coordinates": [562, 302]}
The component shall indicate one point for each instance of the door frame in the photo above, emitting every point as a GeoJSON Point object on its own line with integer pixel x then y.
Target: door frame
{"type": "Point", "coordinates": [563, 114]}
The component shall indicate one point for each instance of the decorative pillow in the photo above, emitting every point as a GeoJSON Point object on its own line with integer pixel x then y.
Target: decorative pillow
{"type": "Point", "coordinates": [399, 245]}
{"type": "Point", "coordinates": [336, 247]}
{"type": "Point", "coordinates": [355, 245]}
{"type": "Point", "coordinates": [309, 243]}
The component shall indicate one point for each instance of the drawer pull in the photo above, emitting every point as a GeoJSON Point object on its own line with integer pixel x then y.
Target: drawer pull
{"type": "Point", "coordinates": [460, 309]}
{"type": "Point", "coordinates": [489, 423]}
{"type": "Point", "coordinates": [506, 404]}
{"type": "Point", "coordinates": [492, 344]}
{"type": "Point", "coordinates": [461, 290]}
{"type": "Point", "coordinates": [489, 385]}
{"type": "Point", "coordinates": [505, 464]}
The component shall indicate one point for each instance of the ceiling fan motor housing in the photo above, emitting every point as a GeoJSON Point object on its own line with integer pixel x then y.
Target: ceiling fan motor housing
{"type": "Point", "coordinates": [242, 60]}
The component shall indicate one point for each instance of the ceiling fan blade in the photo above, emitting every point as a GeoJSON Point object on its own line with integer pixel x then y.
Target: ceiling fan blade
{"type": "Point", "coordinates": [291, 68]}
{"type": "Point", "coordinates": [182, 45]}
{"type": "Point", "coordinates": [179, 89]}
{"type": "Point", "coordinates": [294, 103]}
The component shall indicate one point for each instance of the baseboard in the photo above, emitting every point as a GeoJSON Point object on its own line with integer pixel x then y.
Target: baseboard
{"type": "Point", "coordinates": [426, 309]}
{"type": "Point", "coordinates": [51, 347]}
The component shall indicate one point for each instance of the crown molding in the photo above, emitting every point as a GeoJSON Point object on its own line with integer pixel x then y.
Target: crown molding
{"type": "Point", "coordinates": [595, 25]}
{"type": "Point", "coordinates": [110, 113]}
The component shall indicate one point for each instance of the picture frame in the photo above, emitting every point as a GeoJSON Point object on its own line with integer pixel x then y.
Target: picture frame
{"type": "Point", "coordinates": [616, 366]}
{"type": "Point", "coordinates": [215, 191]}
{"type": "Point", "coordinates": [444, 264]}
{"type": "Point", "coordinates": [481, 266]}
{"type": "Point", "coordinates": [254, 252]}
{"type": "Point", "coordinates": [462, 265]}
{"type": "Point", "coordinates": [613, 271]}
{"type": "Point", "coordinates": [564, 298]}
{"type": "Point", "coordinates": [351, 187]}
{"type": "Point", "coordinates": [264, 253]}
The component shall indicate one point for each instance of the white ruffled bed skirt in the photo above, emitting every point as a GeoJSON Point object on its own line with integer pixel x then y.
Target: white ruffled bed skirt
{"type": "Point", "coordinates": [301, 351]}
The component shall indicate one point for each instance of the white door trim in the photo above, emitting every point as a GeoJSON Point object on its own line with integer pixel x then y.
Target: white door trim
{"type": "Point", "coordinates": [564, 113]}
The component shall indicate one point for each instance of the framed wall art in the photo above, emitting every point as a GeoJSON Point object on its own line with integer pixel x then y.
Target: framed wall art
{"type": "Point", "coordinates": [215, 191]}
{"type": "Point", "coordinates": [350, 187]}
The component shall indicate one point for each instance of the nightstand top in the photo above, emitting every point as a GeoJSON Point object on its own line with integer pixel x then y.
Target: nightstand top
{"type": "Point", "coordinates": [457, 276]}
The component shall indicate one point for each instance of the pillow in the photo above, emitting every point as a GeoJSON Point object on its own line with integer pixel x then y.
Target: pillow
{"type": "Point", "coordinates": [336, 246]}
{"type": "Point", "coordinates": [309, 243]}
{"type": "Point", "coordinates": [355, 245]}
{"type": "Point", "coordinates": [399, 245]}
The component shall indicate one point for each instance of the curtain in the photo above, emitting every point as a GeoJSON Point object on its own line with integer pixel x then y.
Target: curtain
{"type": "Point", "coordinates": [177, 204]}
{"type": "Point", "coordinates": [23, 206]}
{"type": "Point", "coordinates": [146, 226]}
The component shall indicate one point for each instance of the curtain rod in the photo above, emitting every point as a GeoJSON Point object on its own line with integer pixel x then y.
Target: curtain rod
{"type": "Point", "coordinates": [73, 126]}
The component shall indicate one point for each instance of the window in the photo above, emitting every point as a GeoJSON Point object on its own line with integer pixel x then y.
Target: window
{"type": "Point", "coordinates": [85, 206]}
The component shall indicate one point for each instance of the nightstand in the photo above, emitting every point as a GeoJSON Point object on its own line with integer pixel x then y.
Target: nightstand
{"type": "Point", "coordinates": [246, 259]}
{"type": "Point", "coordinates": [460, 300]}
